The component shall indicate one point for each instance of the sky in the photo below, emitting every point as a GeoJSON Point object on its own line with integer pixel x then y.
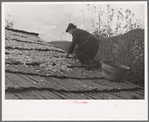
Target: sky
{"type": "Point", "coordinates": [50, 19]}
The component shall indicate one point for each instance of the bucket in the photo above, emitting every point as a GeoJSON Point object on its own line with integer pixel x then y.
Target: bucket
{"type": "Point", "coordinates": [114, 71]}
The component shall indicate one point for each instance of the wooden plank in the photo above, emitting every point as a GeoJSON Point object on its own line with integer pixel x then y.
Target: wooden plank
{"type": "Point", "coordinates": [51, 82]}
{"type": "Point", "coordinates": [103, 95]}
{"type": "Point", "coordinates": [22, 95]}
{"type": "Point", "coordinates": [92, 95]}
{"type": "Point", "coordinates": [110, 96]}
{"type": "Point", "coordinates": [33, 94]}
{"type": "Point", "coordinates": [10, 84]}
{"type": "Point", "coordinates": [6, 86]}
{"type": "Point", "coordinates": [63, 85]}
{"type": "Point", "coordinates": [100, 96]}
{"type": "Point", "coordinates": [104, 82]}
{"type": "Point", "coordinates": [115, 85]}
{"type": "Point", "coordinates": [91, 86]}
{"type": "Point", "coordinates": [36, 81]}
{"type": "Point", "coordinates": [55, 96]}
{"type": "Point", "coordinates": [89, 95]}
{"type": "Point", "coordinates": [122, 95]}
{"type": "Point", "coordinates": [135, 95]}
{"type": "Point", "coordinates": [141, 92]}
{"type": "Point", "coordinates": [78, 84]}
{"type": "Point", "coordinates": [72, 82]}
{"type": "Point", "coordinates": [81, 96]}
{"type": "Point", "coordinates": [99, 87]}
{"type": "Point", "coordinates": [132, 85]}
{"type": "Point", "coordinates": [127, 86]}
{"type": "Point", "coordinates": [10, 96]}
{"type": "Point", "coordinates": [19, 81]}
{"type": "Point", "coordinates": [71, 96]}
{"type": "Point", "coordinates": [75, 95]}
{"type": "Point", "coordinates": [96, 96]}
{"type": "Point", "coordinates": [60, 94]}
{"type": "Point", "coordinates": [57, 84]}
{"type": "Point", "coordinates": [83, 83]}
{"type": "Point", "coordinates": [119, 85]}
{"type": "Point", "coordinates": [41, 82]}
{"type": "Point", "coordinates": [45, 94]}
{"type": "Point", "coordinates": [71, 85]}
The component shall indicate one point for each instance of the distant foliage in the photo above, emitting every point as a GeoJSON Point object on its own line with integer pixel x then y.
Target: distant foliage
{"type": "Point", "coordinates": [111, 22]}
{"type": "Point", "coordinates": [9, 23]}
{"type": "Point", "coordinates": [64, 45]}
{"type": "Point", "coordinates": [126, 49]}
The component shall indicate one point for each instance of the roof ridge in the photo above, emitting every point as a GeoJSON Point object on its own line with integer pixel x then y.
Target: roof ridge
{"type": "Point", "coordinates": [22, 31]}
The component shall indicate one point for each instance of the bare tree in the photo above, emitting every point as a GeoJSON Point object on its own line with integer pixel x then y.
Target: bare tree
{"type": "Point", "coordinates": [9, 23]}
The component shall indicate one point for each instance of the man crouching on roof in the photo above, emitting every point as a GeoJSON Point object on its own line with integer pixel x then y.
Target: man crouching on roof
{"type": "Point", "coordinates": [87, 46]}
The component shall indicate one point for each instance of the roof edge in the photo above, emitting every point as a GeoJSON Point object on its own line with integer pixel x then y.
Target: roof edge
{"type": "Point", "coordinates": [16, 30]}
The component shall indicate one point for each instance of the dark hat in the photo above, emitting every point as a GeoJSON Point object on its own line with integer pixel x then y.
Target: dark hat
{"type": "Point", "coordinates": [71, 25]}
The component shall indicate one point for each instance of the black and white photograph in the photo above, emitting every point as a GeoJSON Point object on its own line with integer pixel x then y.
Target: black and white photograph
{"type": "Point", "coordinates": [74, 53]}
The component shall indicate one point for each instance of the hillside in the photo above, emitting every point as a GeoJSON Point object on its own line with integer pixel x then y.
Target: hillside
{"type": "Point", "coordinates": [64, 45]}
{"type": "Point", "coordinates": [127, 49]}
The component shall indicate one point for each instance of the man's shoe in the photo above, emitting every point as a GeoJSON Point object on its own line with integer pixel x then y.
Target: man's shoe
{"type": "Point", "coordinates": [94, 64]}
{"type": "Point", "coordinates": [91, 65]}
{"type": "Point", "coordinates": [97, 63]}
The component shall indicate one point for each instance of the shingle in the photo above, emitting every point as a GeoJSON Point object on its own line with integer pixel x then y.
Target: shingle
{"type": "Point", "coordinates": [10, 96]}
{"type": "Point", "coordinates": [22, 95]}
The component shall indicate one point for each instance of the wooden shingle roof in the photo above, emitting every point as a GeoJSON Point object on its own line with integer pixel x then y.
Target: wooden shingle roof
{"type": "Point", "coordinates": [32, 72]}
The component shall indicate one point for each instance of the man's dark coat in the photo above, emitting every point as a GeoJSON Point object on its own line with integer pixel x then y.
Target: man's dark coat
{"type": "Point", "coordinates": [87, 47]}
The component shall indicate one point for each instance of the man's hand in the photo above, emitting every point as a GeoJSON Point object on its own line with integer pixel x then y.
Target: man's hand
{"type": "Point", "coordinates": [74, 57]}
{"type": "Point", "coordinates": [67, 56]}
